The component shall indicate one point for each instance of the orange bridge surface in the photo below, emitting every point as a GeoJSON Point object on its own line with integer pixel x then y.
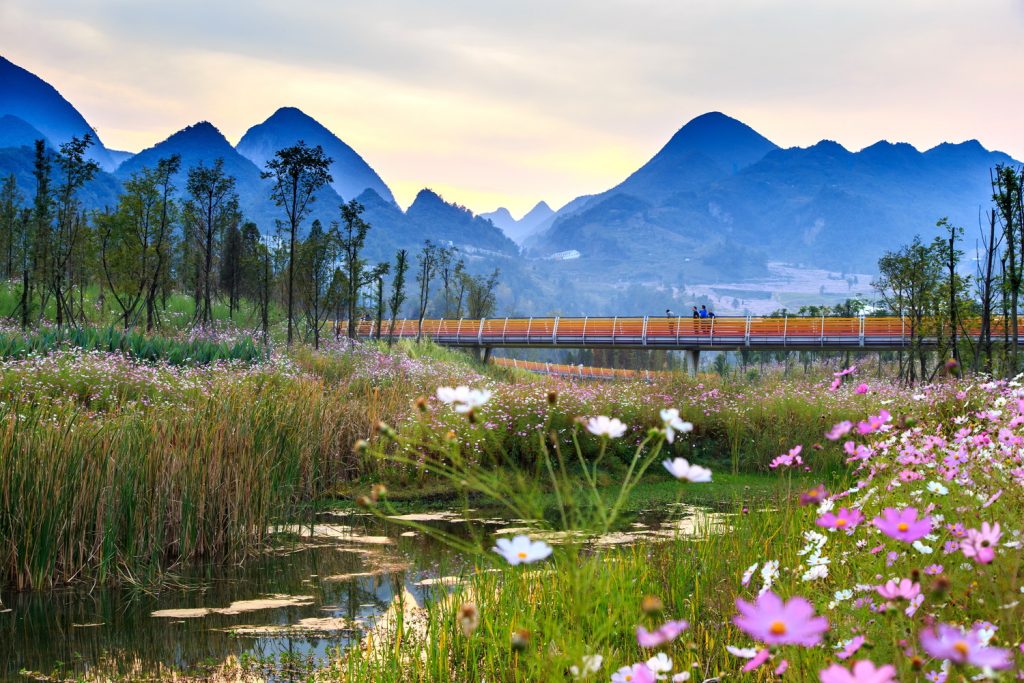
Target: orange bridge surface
{"type": "Point", "coordinates": [876, 333]}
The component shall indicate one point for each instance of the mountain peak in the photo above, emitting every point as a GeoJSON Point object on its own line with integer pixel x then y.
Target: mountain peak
{"type": "Point", "coordinates": [37, 103]}
{"type": "Point", "coordinates": [728, 142]}
{"type": "Point", "coordinates": [201, 133]}
{"type": "Point", "coordinates": [287, 126]}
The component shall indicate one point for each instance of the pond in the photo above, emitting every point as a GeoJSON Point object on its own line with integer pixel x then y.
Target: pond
{"type": "Point", "coordinates": [288, 609]}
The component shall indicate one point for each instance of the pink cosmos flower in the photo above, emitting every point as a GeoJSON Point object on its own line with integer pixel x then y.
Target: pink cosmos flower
{"type": "Point", "coordinates": [665, 633]}
{"type": "Point", "coordinates": [757, 660]}
{"type": "Point", "coordinates": [863, 671]}
{"type": "Point", "coordinates": [852, 646]}
{"type": "Point", "coordinates": [903, 525]}
{"type": "Point", "coordinates": [637, 673]}
{"type": "Point", "coordinates": [980, 545]}
{"type": "Point", "coordinates": [933, 569]}
{"type": "Point", "coordinates": [788, 459]}
{"type": "Point", "coordinates": [962, 647]}
{"type": "Point", "coordinates": [775, 622]}
{"type": "Point", "coordinates": [839, 430]}
{"type": "Point", "coordinates": [861, 389]}
{"type": "Point", "coordinates": [844, 520]}
{"type": "Point", "coordinates": [874, 422]}
{"type": "Point", "coordinates": [782, 667]}
{"type": "Point", "coordinates": [836, 383]}
{"type": "Point", "coordinates": [848, 371]}
{"type": "Point", "coordinates": [814, 496]}
{"type": "Point", "coordinates": [904, 590]}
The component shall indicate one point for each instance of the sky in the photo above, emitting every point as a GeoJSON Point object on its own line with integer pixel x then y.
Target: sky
{"type": "Point", "coordinates": [504, 103]}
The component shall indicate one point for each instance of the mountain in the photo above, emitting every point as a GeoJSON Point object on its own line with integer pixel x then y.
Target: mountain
{"type": "Point", "coordinates": [520, 230]}
{"type": "Point", "coordinates": [720, 200]}
{"type": "Point", "coordinates": [204, 143]}
{"type": "Point", "coordinates": [15, 132]}
{"type": "Point", "coordinates": [36, 102]}
{"type": "Point", "coordinates": [440, 221]}
{"type": "Point", "coordinates": [352, 175]}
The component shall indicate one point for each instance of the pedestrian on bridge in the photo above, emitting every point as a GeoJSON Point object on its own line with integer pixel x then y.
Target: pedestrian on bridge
{"type": "Point", "coordinates": [703, 318]}
{"type": "Point", "coordinates": [696, 321]}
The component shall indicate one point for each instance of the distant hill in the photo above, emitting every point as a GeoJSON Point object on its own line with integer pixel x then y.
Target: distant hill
{"type": "Point", "coordinates": [524, 228]}
{"type": "Point", "coordinates": [352, 175]}
{"type": "Point", "coordinates": [718, 187]}
{"type": "Point", "coordinates": [36, 102]}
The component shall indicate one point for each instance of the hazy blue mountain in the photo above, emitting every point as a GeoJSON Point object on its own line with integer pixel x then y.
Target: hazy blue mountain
{"type": "Point", "coordinates": [15, 132]}
{"type": "Point", "coordinates": [204, 143]}
{"type": "Point", "coordinates": [520, 230]}
{"type": "Point", "coordinates": [36, 102]}
{"type": "Point", "coordinates": [352, 175]}
{"type": "Point", "coordinates": [441, 221]}
{"type": "Point", "coordinates": [707, 194]}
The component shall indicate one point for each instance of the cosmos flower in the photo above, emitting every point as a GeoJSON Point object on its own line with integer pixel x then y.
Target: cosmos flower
{"type": "Point", "coordinates": [774, 622]}
{"type": "Point", "coordinates": [590, 664]}
{"type": "Point", "coordinates": [980, 545]}
{"type": "Point", "coordinates": [863, 671]}
{"type": "Point", "coordinates": [839, 430]}
{"type": "Point", "coordinates": [665, 633]}
{"type": "Point", "coordinates": [462, 398]}
{"type": "Point", "coordinates": [673, 423]}
{"type": "Point", "coordinates": [844, 520]}
{"type": "Point", "coordinates": [660, 664]}
{"type": "Point", "coordinates": [962, 647]}
{"type": "Point", "coordinates": [903, 525]}
{"type": "Point", "coordinates": [521, 550]}
{"type": "Point", "coordinates": [637, 673]}
{"type": "Point", "coordinates": [610, 427]}
{"type": "Point", "coordinates": [905, 589]}
{"type": "Point", "coordinates": [683, 470]}
{"type": "Point", "coordinates": [788, 459]}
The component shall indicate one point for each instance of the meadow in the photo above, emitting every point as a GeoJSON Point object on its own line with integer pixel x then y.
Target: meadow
{"type": "Point", "coordinates": [125, 459]}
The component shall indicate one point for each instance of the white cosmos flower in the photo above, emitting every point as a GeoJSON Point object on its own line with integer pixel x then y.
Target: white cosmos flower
{"type": "Point", "coordinates": [681, 469]}
{"type": "Point", "coordinates": [673, 423]}
{"type": "Point", "coordinates": [591, 664]}
{"type": "Point", "coordinates": [937, 488]}
{"type": "Point", "coordinates": [660, 664]}
{"type": "Point", "coordinates": [611, 427]}
{"type": "Point", "coordinates": [744, 652]}
{"type": "Point", "coordinates": [681, 677]}
{"type": "Point", "coordinates": [922, 548]}
{"type": "Point", "coordinates": [521, 550]}
{"type": "Point", "coordinates": [462, 398]}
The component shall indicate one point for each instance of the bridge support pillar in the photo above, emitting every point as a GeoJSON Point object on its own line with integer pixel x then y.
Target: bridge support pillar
{"type": "Point", "coordinates": [485, 355]}
{"type": "Point", "coordinates": [692, 361]}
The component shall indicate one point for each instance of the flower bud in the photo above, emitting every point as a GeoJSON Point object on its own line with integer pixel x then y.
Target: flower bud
{"type": "Point", "coordinates": [385, 429]}
{"type": "Point", "coordinates": [378, 491]}
{"type": "Point", "coordinates": [552, 397]}
{"type": "Point", "coordinates": [360, 446]}
{"type": "Point", "coordinates": [364, 502]}
{"type": "Point", "coordinates": [651, 604]}
{"type": "Point", "coordinates": [421, 404]}
{"type": "Point", "coordinates": [471, 416]}
{"type": "Point", "coordinates": [520, 639]}
{"type": "Point", "coordinates": [469, 618]}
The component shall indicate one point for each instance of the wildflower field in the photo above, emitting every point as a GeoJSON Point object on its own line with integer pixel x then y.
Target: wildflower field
{"type": "Point", "coordinates": [887, 548]}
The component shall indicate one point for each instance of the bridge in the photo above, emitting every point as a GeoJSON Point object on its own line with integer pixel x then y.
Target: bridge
{"type": "Point", "coordinates": [691, 335]}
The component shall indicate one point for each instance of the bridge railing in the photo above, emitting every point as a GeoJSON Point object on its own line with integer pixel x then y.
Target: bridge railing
{"type": "Point", "coordinates": [660, 331]}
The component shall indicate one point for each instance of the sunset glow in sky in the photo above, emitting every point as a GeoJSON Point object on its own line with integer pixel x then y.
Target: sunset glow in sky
{"type": "Point", "coordinates": [503, 103]}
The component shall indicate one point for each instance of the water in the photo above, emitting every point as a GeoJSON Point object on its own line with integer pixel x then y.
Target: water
{"type": "Point", "coordinates": [344, 577]}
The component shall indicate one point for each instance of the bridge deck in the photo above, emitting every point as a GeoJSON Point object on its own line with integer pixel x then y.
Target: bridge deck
{"type": "Point", "coordinates": [650, 332]}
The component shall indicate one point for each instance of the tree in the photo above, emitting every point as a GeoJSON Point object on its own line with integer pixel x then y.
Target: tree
{"type": "Point", "coordinates": [427, 259]}
{"type": "Point", "coordinates": [352, 238]}
{"type": "Point", "coordinates": [211, 208]}
{"type": "Point", "coordinates": [1008, 195]}
{"type": "Point", "coordinates": [166, 169]}
{"type": "Point", "coordinates": [379, 302]}
{"type": "Point", "coordinates": [909, 282]}
{"type": "Point", "coordinates": [397, 290]}
{"type": "Point", "coordinates": [231, 268]}
{"type": "Point", "coordinates": [480, 295]}
{"type": "Point", "coordinates": [298, 172]}
{"type": "Point", "coordinates": [451, 272]}
{"type": "Point", "coordinates": [71, 224]}
{"type": "Point", "coordinates": [985, 284]}
{"type": "Point", "coordinates": [954, 283]}
{"type": "Point", "coordinates": [317, 286]}
{"type": "Point", "coordinates": [10, 209]}
{"type": "Point", "coordinates": [35, 247]}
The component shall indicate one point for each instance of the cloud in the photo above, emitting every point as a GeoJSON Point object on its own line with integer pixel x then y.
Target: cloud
{"type": "Point", "coordinates": [510, 102]}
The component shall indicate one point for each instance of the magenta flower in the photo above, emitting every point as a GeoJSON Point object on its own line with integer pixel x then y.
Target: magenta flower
{"type": "Point", "coordinates": [814, 496]}
{"type": "Point", "coordinates": [839, 430]}
{"type": "Point", "coordinates": [848, 371]}
{"type": "Point", "coordinates": [903, 525]}
{"type": "Point", "coordinates": [863, 671]}
{"type": "Point", "coordinates": [980, 545]}
{"type": "Point", "coordinates": [637, 673]}
{"type": "Point", "coordinates": [851, 647]}
{"type": "Point", "coordinates": [757, 660]}
{"type": "Point", "coordinates": [665, 633]}
{"type": "Point", "coordinates": [844, 520]}
{"type": "Point", "coordinates": [775, 622]}
{"type": "Point", "coordinates": [862, 388]}
{"type": "Point", "coordinates": [874, 422]}
{"type": "Point", "coordinates": [962, 647]}
{"type": "Point", "coordinates": [788, 459]}
{"type": "Point", "coordinates": [904, 590]}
